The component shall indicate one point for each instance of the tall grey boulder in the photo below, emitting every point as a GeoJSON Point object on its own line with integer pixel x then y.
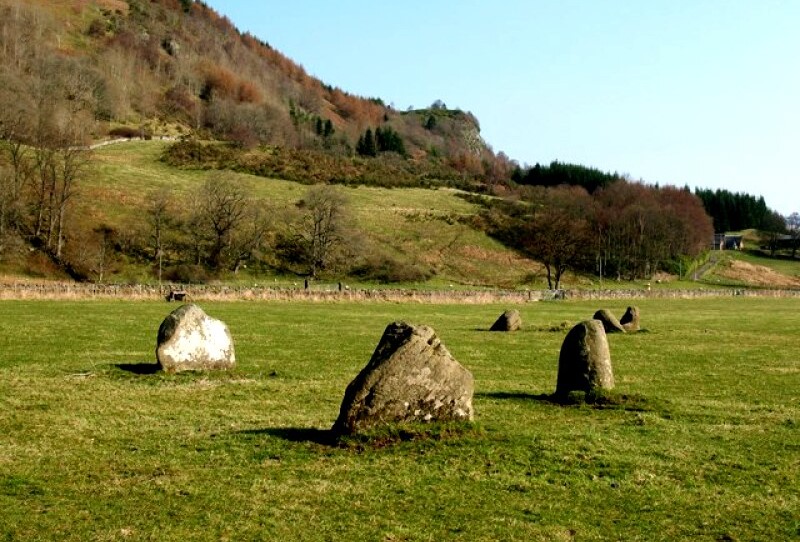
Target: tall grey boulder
{"type": "Point", "coordinates": [190, 340]}
{"type": "Point", "coordinates": [630, 320]}
{"type": "Point", "coordinates": [610, 322]}
{"type": "Point", "coordinates": [410, 377]}
{"type": "Point", "coordinates": [584, 363]}
{"type": "Point", "coordinates": [508, 321]}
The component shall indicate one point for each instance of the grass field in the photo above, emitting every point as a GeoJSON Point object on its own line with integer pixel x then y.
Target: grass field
{"type": "Point", "coordinates": [93, 446]}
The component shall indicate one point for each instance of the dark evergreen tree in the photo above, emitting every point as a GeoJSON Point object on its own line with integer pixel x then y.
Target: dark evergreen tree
{"type": "Point", "coordinates": [736, 212]}
{"type": "Point", "coordinates": [388, 140]}
{"type": "Point", "coordinates": [366, 144]}
{"type": "Point", "coordinates": [430, 123]}
{"type": "Point", "coordinates": [557, 174]}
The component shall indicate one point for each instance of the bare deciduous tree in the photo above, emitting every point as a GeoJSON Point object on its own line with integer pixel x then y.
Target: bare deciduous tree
{"type": "Point", "coordinates": [558, 233]}
{"type": "Point", "coordinates": [220, 211]}
{"type": "Point", "coordinates": [323, 226]}
{"type": "Point", "coordinates": [160, 219]}
{"type": "Point", "coordinates": [793, 226]}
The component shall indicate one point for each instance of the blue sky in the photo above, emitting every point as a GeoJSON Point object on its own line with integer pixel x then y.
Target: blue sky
{"type": "Point", "coordinates": [704, 93]}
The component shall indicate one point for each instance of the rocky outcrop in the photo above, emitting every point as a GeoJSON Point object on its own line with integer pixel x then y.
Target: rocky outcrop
{"type": "Point", "coordinates": [190, 340]}
{"type": "Point", "coordinates": [410, 377]}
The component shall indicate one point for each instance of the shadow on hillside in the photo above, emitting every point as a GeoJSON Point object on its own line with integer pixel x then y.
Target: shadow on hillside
{"type": "Point", "coordinates": [325, 437]}
{"type": "Point", "coordinates": [139, 368]}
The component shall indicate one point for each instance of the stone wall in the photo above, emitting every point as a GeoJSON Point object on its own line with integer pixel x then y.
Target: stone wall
{"type": "Point", "coordinates": [323, 293]}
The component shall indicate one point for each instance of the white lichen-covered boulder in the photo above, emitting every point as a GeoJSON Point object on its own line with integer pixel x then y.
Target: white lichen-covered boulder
{"type": "Point", "coordinates": [411, 377]}
{"type": "Point", "coordinates": [190, 340]}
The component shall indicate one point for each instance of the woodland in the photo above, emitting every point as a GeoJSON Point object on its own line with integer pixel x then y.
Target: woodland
{"type": "Point", "coordinates": [76, 73]}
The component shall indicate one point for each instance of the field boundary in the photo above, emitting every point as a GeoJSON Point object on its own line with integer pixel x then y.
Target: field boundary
{"type": "Point", "coordinates": [75, 291]}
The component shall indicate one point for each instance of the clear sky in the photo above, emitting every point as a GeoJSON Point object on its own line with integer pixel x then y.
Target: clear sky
{"type": "Point", "coordinates": [704, 93]}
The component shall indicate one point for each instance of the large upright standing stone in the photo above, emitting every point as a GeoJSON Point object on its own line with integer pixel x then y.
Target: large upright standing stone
{"type": "Point", "coordinates": [510, 320]}
{"type": "Point", "coordinates": [190, 340]}
{"type": "Point", "coordinates": [585, 360]}
{"type": "Point", "coordinates": [410, 377]}
{"type": "Point", "coordinates": [630, 320]}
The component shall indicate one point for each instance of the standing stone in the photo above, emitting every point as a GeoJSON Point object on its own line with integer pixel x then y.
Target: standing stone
{"type": "Point", "coordinates": [610, 322]}
{"type": "Point", "coordinates": [585, 361]}
{"type": "Point", "coordinates": [190, 340]}
{"type": "Point", "coordinates": [630, 320]}
{"type": "Point", "coordinates": [508, 321]}
{"type": "Point", "coordinates": [410, 377]}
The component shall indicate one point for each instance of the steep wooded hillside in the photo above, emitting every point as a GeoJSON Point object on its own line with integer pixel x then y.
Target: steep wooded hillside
{"type": "Point", "coordinates": [169, 67]}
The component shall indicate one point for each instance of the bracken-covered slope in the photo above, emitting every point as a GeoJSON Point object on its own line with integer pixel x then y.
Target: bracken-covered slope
{"type": "Point", "coordinates": [178, 67]}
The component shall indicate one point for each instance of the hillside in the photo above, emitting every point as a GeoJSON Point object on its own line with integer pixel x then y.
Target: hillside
{"type": "Point", "coordinates": [409, 235]}
{"type": "Point", "coordinates": [270, 172]}
{"type": "Point", "coordinates": [169, 67]}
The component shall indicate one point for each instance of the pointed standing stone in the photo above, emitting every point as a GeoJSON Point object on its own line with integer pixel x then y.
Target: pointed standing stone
{"type": "Point", "coordinates": [630, 320]}
{"type": "Point", "coordinates": [410, 377]}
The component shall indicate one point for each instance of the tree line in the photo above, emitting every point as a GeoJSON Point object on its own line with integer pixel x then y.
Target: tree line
{"type": "Point", "coordinates": [622, 231]}
{"type": "Point", "coordinates": [738, 211]}
{"type": "Point", "coordinates": [559, 173]}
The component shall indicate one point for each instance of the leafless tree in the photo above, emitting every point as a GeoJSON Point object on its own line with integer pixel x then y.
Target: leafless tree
{"type": "Point", "coordinates": [160, 219]}
{"type": "Point", "coordinates": [323, 227]}
{"type": "Point", "coordinates": [558, 232]}
{"type": "Point", "coordinates": [793, 225]}
{"type": "Point", "coordinates": [220, 211]}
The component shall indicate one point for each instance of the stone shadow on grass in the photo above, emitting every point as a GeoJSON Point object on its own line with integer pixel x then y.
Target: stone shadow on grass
{"type": "Point", "coordinates": [139, 368]}
{"type": "Point", "coordinates": [517, 395]}
{"type": "Point", "coordinates": [325, 437]}
{"type": "Point", "coordinates": [600, 400]}
{"type": "Point", "coordinates": [374, 438]}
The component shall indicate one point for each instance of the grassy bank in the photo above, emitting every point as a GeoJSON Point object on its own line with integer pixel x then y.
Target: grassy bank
{"type": "Point", "coordinates": [704, 445]}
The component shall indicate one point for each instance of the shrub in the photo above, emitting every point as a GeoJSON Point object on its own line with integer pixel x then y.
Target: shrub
{"type": "Point", "coordinates": [129, 132]}
{"type": "Point", "coordinates": [186, 273]}
{"type": "Point", "coordinates": [383, 268]}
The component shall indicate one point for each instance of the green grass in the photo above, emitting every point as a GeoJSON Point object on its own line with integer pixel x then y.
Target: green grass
{"type": "Point", "coordinates": [701, 443]}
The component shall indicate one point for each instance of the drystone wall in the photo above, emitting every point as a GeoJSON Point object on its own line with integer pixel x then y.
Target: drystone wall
{"type": "Point", "coordinates": [334, 292]}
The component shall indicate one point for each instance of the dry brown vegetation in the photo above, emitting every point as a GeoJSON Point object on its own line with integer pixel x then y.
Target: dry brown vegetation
{"type": "Point", "coordinates": [755, 275]}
